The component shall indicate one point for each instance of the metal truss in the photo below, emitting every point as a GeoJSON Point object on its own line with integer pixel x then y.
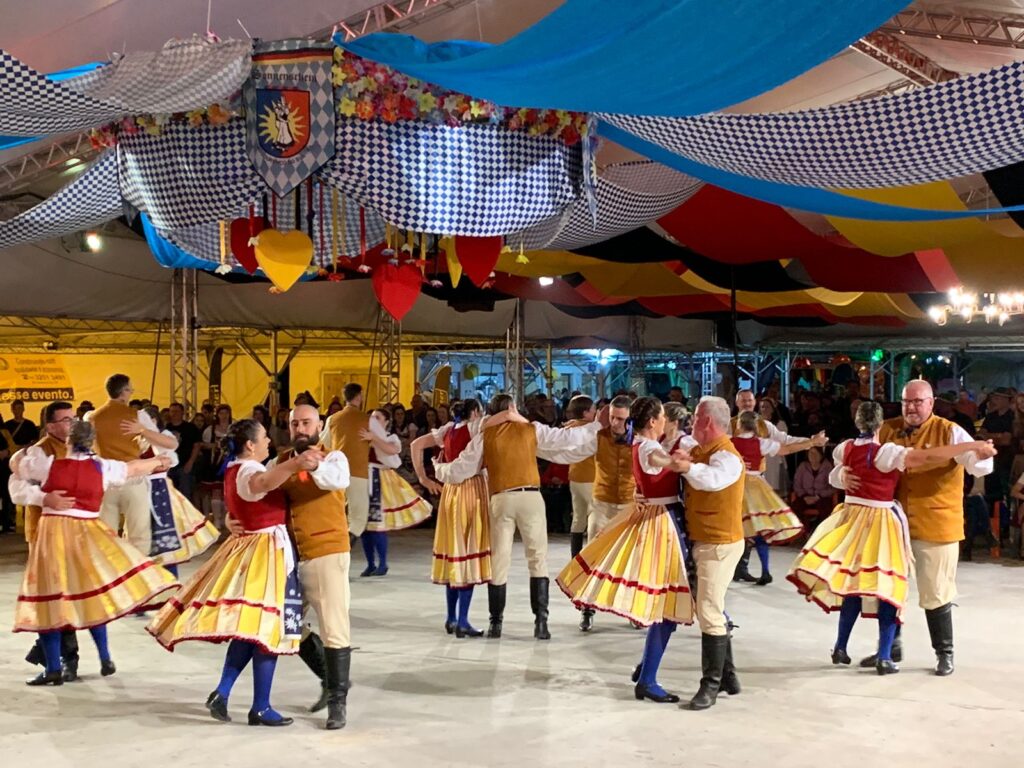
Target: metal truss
{"type": "Point", "coordinates": [900, 57]}
{"type": "Point", "coordinates": [60, 155]}
{"type": "Point", "coordinates": [637, 357]}
{"type": "Point", "coordinates": [389, 351]}
{"type": "Point", "coordinates": [391, 16]}
{"type": "Point", "coordinates": [184, 338]}
{"type": "Point", "coordinates": [1003, 31]}
{"type": "Point", "coordinates": [515, 353]}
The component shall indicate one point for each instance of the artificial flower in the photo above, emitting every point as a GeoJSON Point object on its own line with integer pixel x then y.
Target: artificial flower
{"type": "Point", "coordinates": [427, 101]}
{"type": "Point", "coordinates": [347, 106]}
{"type": "Point", "coordinates": [195, 117]}
{"type": "Point", "coordinates": [364, 109]}
{"type": "Point", "coordinates": [217, 115]}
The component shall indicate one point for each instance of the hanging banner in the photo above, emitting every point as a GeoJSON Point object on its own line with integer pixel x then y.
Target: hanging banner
{"type": "Point", "coordinates": [289, 111]}
{"type": "Point", "coordinates": [34, 378]}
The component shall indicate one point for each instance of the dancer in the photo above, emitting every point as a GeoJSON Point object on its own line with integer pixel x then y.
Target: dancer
{"type": "Point", "coordinates": [342, 433]}
{"type": "Point", "coordinates": [714, 518]}
{"type": "Point", "coordinates": [746, 402]}
{"type": "Point", "coordinates": [394, 505]}
{"type": "Point", "coordinates": [767, 519]}
{"type": "Point", "coordinates": [635, 568]}
{"type": "Point", "coordinates": [248, 593]}
{"type": "Point", "coordinates": [858, 560]}
{"type": "Point", "coordinates": [672, 441]}
{"type": "Point", "coordinates": [316, 514]}
{"type": "Point", "coordinates": [180, 532]}
{"type": "Point", "coordinates": [932, 498]}
{"type": "Point", "coordinates": [57, 420]}
{"type": "Point", "coordinates": [580, 412]}
{"type": "Point", "coordinates": [128, 503]}
{"type": "Point", "coordinates": [80, 575]}
{"type": "Point", "coordinates": [462, 538]}
{"type": "Point", "coordinates": [508, 446]}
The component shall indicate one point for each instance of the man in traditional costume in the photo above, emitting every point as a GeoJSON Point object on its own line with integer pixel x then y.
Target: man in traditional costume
{"type": "Point", "coordinates": [343, 433]}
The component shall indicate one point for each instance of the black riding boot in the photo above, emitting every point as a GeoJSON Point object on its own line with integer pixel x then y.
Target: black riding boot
{"type": "Point", "coordinates": [870, 662]}
{"type": "Point", "coordinates": [496, 608]}
{"type": "Point", "coordinates": [539, 606]}
{"type": "Point", "coordinates": [742, 567]}
{"type": "Point", "coordinates": [338, 665]}
{"type": "Point", "coordinates": [311, 651]}
{"type": "Point", "coordinates": [575, 543]}
{"type": "Point", "coordinates": [940, 627]}
{"type": "Point", "coordinates": [713, 649]}
{"type": "Point", "coordinates": [730, 682]}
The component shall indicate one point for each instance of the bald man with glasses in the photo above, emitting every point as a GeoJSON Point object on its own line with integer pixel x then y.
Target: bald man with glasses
{"type": "Point", "coordinates": [932, 498]}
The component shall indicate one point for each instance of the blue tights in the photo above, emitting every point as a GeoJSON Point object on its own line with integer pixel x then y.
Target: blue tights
{"type": "Point", "coordinates": [173, 569]}
{"type": "Point", "coordinates": [887, 625]}
{"type": "Point", "coordinates": [654, 648]}
{"type": "Point", "coordinates": [51, 646]}
{"type": "Point", "coordinates": [239, 654]}
{"type": "Point", "coordinates": [375, 547]}
{"type": "Point", "coordinates": [762, 553]}
{"type": "Point", "coordinates": [459, 599]}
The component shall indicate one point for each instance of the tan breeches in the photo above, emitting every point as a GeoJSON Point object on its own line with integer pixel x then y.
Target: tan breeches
{"type": "Point", "coordinates": [325, 591]}
{"type": "Point", "coordinates": [129, 502]}
{"type": "Point", "coordinates": [358, 499]}
{"type": "Point", "coordinates": [602, 513]}
{"type": "Point", "coordinates": [523, 510]}
{"type": "Point", "coordinates": [716, 564]}
{"type": "Point", "coordinates": [935, 567]}
{"type": "Point", "coordinates": [581, 494]}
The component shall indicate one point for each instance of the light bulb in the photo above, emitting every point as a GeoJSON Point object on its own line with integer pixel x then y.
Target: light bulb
{"type": "Point", "coordinates": [546, 281]}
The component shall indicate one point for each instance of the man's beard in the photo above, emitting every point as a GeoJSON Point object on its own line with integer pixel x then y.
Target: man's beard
{"type": "Point", "coordinates": [303, 443]}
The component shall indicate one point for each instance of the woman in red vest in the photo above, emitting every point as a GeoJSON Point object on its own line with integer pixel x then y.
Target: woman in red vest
{"type": "Point", "coordinates": [462, 539]}
{"type": "Point", "coordinates": [634, 567]}
{"type": "Point", "coordinates": [248, 593]}
{"type": "Point", "coordinates": [767, 519]}
{"type": "Point", "coordinates": [79, 574]}
{"type": "Point", "coordinates": [857, 561]}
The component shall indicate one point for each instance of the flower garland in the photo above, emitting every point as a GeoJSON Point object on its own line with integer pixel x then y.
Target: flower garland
{"type": "Point", "coordinates": [370, 91]}
{"type": "Point", "coordinates": [215, 114]}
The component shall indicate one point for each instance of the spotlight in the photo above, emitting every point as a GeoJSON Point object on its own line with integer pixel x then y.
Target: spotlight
{"type": "Point", "coordinates": [546, 281]}
{"type": "Point", "coordinates": [92, 241]}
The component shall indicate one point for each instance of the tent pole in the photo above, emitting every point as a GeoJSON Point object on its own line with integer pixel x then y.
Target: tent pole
{"type": "Point", "coordinates": [156, 360]}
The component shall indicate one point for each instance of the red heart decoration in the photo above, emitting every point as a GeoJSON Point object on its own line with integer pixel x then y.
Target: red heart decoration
{"type": "Point", "coordinates": [478, 256]}
{"type": "Point", "coordinates": [240, 247]}
{"type": "Point", "coordinates": [397, 288]}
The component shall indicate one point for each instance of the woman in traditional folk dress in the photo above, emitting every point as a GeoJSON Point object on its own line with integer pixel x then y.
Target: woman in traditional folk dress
{"type": "Point", "coordinates": [634, 567]}
{"type": "Point", "coordinates": [858, 560]}
{"type": "Point", "coordinates": [79, 574]}
{"type": "Point", "coordinates": [180, 532]}
{"type": "Point", "coordinates": [394, 505]}
{"type": "Point", "coordinates": [767, 519]}
{"type": "Point", "coordinates": [248, 593]}
{"type": "Point", "coordinates": [462, 540]}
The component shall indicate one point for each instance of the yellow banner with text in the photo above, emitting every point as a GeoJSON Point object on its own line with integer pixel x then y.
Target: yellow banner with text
{"type": "Point", "coordinates": [34, 378]}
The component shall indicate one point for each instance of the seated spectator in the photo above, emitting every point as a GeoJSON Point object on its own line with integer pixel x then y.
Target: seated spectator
{"type": "Point", "coordinates": [813, 498]}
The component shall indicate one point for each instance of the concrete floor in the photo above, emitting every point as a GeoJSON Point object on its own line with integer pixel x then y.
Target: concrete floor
{"type": "Point", "coordinates": [423, 698]}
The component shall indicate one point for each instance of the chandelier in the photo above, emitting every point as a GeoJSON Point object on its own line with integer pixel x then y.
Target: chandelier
{"type": "Point", "coordinates": [968, 305]}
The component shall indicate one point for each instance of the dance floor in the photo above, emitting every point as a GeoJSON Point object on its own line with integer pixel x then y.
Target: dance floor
{"type": "Point", "coordinates": [423, 698]}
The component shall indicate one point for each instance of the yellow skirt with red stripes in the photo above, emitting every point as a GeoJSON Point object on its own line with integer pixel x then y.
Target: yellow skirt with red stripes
{"type": "Point", "coordinates": [767, 515]}
{"type": "Point", "coordinates": [857, 551]}
{"type": "Point", "coordinates": [238, 594]}
{"type": "Point", "coordinates": [196, 533]}
{"type": "Point", "coordinates": [462, 539]}
{"type": "Point", "coordinates": [634, 569]}
{"type": "Point", "coordinates": [80, 574]}
{"type": "Point", "coordinates": [400, 506]}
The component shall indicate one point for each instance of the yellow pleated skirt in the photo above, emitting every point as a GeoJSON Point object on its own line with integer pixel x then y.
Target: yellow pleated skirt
{"type": "Point", "coordinates": [857, 551]}
{"type": "Point", "coordinates": [766, 514]}
{"type": "Point", "coordinates": [195, 532]}
{"type": "Point", "coordinates": [634, 569]}
{"type": "Point", "coordinates": [80, 575]}
{"type": "Point", "coordinates": [238, 594]}
{"type": "Point", "coordinates": [401, 506]}
{"type": "Point", "coordinates": [462, 538]}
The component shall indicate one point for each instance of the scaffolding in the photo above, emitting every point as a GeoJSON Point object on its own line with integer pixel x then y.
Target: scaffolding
{"type": "Point", "coordinates": [637, 355]}
{"type": "Point", "coordinates": [185, 338]}
{"type": "Point", "coordinates": [389, 350]}
{"type": "Point", "coordinates": [515, 354]}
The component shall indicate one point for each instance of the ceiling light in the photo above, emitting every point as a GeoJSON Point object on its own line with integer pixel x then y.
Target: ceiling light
{"type": "Point", "coordinates": [546, 281]}
{"type": "Point", "coordinates": [92, 242]}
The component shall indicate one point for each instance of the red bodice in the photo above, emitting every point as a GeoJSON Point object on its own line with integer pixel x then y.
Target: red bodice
{"type": "Point", "coordinates": [80, 479]}
{"type": "Point", "coordinates": [874, 484]}
{"type": "Point", "coordinates": [253, 515]}
{"type": "Point", "coordinates": [455, 441]}
{"type": "Point", "coordinates": [750, 451]}
{"type": "Point", "coordinates": [663, 485]}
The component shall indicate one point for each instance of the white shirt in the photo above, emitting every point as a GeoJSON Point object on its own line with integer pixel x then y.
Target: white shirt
{"type": "Point", "coordinates": [33, 467]}
{"type": "Point", "coordinates": [645, 447]}
{"type": "Point", "coordinates": [391, 461]}
{"type": "Point", "coordinates": [561, 446]}
{"type": "Point", "coordinates": [722, 470]}
{"type": "Point", "coordinates": [331, 474]}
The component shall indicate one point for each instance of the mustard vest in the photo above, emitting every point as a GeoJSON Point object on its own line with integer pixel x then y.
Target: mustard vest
{"type": "Point", "coordinates": [343, 428]}
{"type": "Point", "coordinates": [111, 442]}
{"type": "Point", "coordinates": [613, 481]}
{"type": "Point", "coordinates": [715, 517]}
{"type": "Point", "coordinates": [510, 456]}
{"type": "Point", "coordinates": [581, 471]}
{"type": "Point", "coordinates": [50, 446]}
{"type": "Point", "coordinates": [316, 517]}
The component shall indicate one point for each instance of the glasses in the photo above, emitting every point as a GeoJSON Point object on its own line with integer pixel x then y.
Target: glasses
{"type": "Point", "coordinates": [65, 420]}
{"type": "Point", "coordinates": [917, 402]}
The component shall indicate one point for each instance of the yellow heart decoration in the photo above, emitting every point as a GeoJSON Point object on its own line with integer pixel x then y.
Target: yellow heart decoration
{"type": "Point", "coordinates": [454, 267]}
{"type": "Point", "coordinates": [283, 257]}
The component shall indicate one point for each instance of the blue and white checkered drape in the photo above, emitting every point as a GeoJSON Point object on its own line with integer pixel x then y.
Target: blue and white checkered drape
{"type": "Point", "coordinates": [90, 200]}
{"type": "Point", "coordinates": [478, 180]}
{"type": "Point", "coordinates": [964, 126]}
{"type": "Point", "coordinates": [629, 195]}
{"type": "Point", "coordinates": [182, 76]}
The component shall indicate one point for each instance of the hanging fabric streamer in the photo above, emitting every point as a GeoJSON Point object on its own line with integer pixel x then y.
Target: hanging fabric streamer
{"type": "Point", "coordinates": [320, 223]}
{"type": "Point", "coordinates": [334, 229]}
